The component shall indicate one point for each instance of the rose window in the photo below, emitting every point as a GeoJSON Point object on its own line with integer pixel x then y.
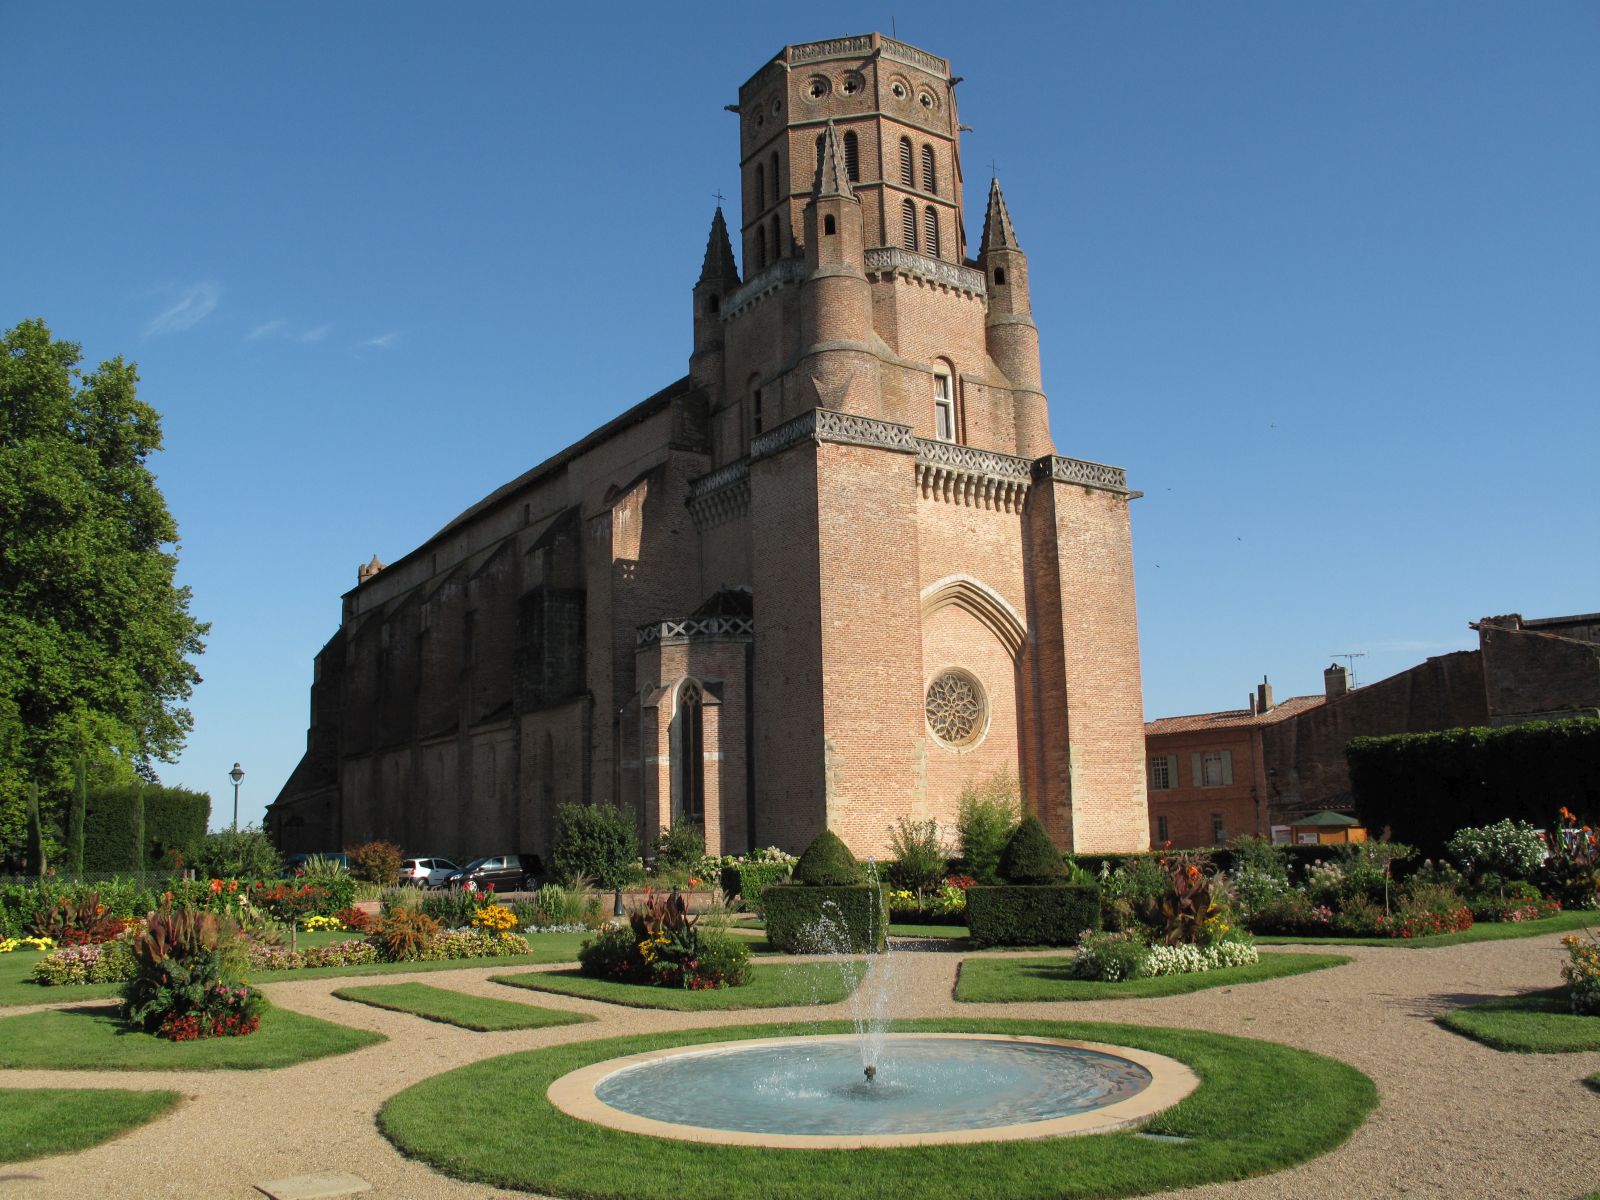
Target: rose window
{"type": "Point", "coordinates": [956, 708]}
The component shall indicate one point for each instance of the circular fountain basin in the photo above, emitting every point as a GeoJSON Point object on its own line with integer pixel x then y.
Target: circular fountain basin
{"type": "Point", "coordinates": [812, 1093]}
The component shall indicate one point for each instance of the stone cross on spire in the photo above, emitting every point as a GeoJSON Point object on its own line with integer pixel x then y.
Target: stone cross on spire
{"type": "Point", "coordinates": [719, 262]}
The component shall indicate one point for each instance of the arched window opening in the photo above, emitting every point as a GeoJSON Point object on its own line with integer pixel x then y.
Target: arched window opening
{"type": "Point", "coordinates": [777, 240]}
{"type": "Point", "coordinates": [822, 141]}
{"type": "Point", "coordinates": [999, 277]}
{"type": "Point", "coordinates": [930, 231]}
{"type": "Point", "coordinates": [930, 182]}
{"type": "Point", "coordinates": [761, 187]}
{"type": "Point", "coordinates": [714, 304]}
{"type": "Point", "coordinates": [761, 248]}
{"type": "Point", "coordinates": [828, 226]}
{"type": "Point", "coordinates": [776, 190]}
{"type": "Point", "coordinates": [908, 224]}
{"type": "Point", "coordinates": [691, 753]}
{"type": "Point", "coordinates": [944, 408]}
{"type": "Point", "coordinates": [852, 158]}
{"type": "Point", "coordinates": [906, 177]}
{"type": "Point", "coordinates": [755, 412]}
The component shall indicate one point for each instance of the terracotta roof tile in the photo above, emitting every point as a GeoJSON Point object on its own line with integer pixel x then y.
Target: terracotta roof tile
{"type": "Point", "coordinates": [1233, 718]}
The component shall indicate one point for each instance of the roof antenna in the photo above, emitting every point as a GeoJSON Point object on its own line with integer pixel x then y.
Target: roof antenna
{"type": "Point", "coordinates": [1352, 657]}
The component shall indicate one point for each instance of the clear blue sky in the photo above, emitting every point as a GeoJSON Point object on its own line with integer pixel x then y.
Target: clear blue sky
{"type": "Point", "coordinates": [1322, 277]}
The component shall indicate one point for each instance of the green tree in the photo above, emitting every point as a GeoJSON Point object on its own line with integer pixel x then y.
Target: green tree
{"type": "Point", "coordinates": [95, 636]}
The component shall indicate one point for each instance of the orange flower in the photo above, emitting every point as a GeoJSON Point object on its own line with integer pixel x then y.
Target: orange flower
{"type": "Point", "coordinates": [216, 886]}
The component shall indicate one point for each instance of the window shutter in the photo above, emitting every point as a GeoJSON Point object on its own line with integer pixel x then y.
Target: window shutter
{"type": "Point", "coordinates": [1227, 766]}
{"type": "Point", "coordinates": [930, 227]}
{"type": "Point", "coordinates": [1196, 778]}
{"type": "Point", "coordinates": [906, 177]}
{"type": "Point", "coordinates": [852, 157]}
{"type": "Point", "coordinates": [908, 221]}
{"type": "Point", "coordinates": [929, 181]}
{"type": "Point", "coordinates": [1172, 770]}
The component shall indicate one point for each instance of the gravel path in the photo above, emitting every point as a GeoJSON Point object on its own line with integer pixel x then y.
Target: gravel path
{"type": "Point", "coordinates": [1456, 1119]}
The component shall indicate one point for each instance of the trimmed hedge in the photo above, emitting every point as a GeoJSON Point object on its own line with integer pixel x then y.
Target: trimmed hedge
{"type": "Point", "coordinates": [1300, 859]}
{"type": "Point", "coordinates": [1426, 786]}
{"type": "Point", "coordinates": [795, 910]}
{"type": "Point", "coordinates": [131, 828]}
{"type": "Point", "coordinates": [751, 879]}
{"type": "Point", "coordinates": [1031, 915]}
{"type": "Point", "coordinates": [1030, 857]}
{"type": "Point", "coordinates": [827, 862]}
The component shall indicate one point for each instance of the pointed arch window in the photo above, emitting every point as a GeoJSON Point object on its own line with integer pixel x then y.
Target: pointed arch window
{"type": "Point", "coordinates": [691, 753]}
{"type": "Point", "coordinates": [761, 187]}
{"type": "Point", "coordinates": [908, 224]}
{"type": "Point", "coordinates": [761, 248]}
{"type": "Point", "coordinates": [777, 239]}
{"type": "Point", "coordinates": [822, 142]}
{"type": "Point", "coordinates": [906, 175]}
{"type": "Point", "coordinates": [930, 181]}
{"type": "Point", "coordinates": [852, 157]}
{"type": "Point", "coordinates": [777, 190]}
{"type": "Point", "coordinates": [930, 231]}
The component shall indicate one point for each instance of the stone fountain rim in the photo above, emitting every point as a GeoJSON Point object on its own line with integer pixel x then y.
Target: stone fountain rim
{"type": "Point", "coordinates": [1170, 1081]}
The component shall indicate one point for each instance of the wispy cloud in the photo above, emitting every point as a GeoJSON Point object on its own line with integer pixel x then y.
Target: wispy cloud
{"type": "Point", "coordinates": [384, 341]}
{"type": "Point", "coordinates": [267, 329]}
{"type": "Point", "coordinates": [313, 335]}
{"type": "Point", "coordinates": [194, 304]}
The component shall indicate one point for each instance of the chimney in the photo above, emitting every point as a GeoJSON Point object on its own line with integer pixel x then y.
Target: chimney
{"type": "Point", "coordinates": [1250, 701]}
{"type": "Point", "coordinates": [1336, 681]}
{"type": "Point", "coordinates": [1263, 696]}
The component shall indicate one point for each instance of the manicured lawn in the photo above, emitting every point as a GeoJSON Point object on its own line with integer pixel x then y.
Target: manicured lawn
{"type": "Point", "coordinates": [17, 986]}
{"type": "Point", "coordinates": [93, 1039]}
{"type": "Point", "coordinates": [1007, 980]}
{"type": "Point", "coordinates": [1535, 1023]}
{"type": "Point", "coordinates": [771, 986]}
{"type": "Point", "coordinates": [1248, 1117]}
{"type": "Point", "coordinates": [898, 929]}
{"type": "Point", "coordinates": [478, 1013]}
{"type": "Point", "coordinates": [36, 1122]}
{"type": "Point", "coordinates": [1483, 931]}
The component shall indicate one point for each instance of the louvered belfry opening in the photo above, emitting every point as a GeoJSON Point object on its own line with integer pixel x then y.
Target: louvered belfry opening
{"type": "Point", "coordinates": [852, 157]}
{"type": "Point", "coordinates": [906, 175]}
{"type": "Point", "coordinates": [930, 181]}
{"type": "Point", "coordinates": [930, 231]}
{"type": "Point", "coordinates": [908, 214]}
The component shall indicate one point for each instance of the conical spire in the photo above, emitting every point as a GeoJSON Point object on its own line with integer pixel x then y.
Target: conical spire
{"type": "Point", "coordinates": [997, 231]}
{"type": "Point", "coordinates": [833, 179]}
{"type": "Point", "coordinates": [719, 262]}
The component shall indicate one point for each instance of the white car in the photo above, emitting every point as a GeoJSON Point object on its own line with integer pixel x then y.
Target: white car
{"type": "Point", "coordinates": [426, 872]}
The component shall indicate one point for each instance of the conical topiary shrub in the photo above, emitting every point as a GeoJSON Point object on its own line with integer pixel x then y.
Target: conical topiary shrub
{"type": "Point", "coordinates": [827, 862]}
{"type": "Point", "coordinates": [1030, 856]}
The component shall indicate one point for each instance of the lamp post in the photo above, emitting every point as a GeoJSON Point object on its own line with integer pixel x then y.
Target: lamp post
{"type": "Point", "coordinates": [237, 775]}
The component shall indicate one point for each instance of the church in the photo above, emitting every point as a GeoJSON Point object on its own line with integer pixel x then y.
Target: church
{"type": "Point", "coordinates": [823, 581]}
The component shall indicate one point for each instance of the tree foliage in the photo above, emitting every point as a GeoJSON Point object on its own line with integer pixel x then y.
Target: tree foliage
{"type": "Point", "coordinates": [95, 636]}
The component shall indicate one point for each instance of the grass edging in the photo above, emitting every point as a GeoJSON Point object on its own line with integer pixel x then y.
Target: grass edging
{"type": "Point", "coordinates": [40, 1122]}
{"type": "Point", "coordinates": [1533, 1023]}
{"type": "Point", "coordinates": [95, 1039]}
{"type": "Point", "coordinates": [772, 985]}
{"type": "Point", "coordinates": [1247, 1118]}
{"type": "Point", "coordinates": [1020, 980]}
{"type": "Point", "coordinates": [1481, 931]}
{"type": "Point", "coordinates": [481, 1014]}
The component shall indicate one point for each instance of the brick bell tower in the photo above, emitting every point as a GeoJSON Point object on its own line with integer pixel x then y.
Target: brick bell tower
{"type": "Point", "coordinates": [938, 597]}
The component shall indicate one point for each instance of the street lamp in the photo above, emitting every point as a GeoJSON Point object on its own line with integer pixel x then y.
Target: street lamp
{"type": "Point", "coordinates": [237, 775]}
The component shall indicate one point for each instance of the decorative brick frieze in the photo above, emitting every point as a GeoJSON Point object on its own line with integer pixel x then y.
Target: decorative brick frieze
{"type": "Point", "coordinates": [720, 496]}
{"type": "Point", "coordinates": [977, 478]}
{"type": "Point", "coordinates": [1080, 471]}
{"type": "Point", "coordinates": [885, 261]}
{"type": "Point", "coordinates": [826, 425]}
{"type": "Point", "coordinates": [785, 270]}
{"type": "Point", "coordinates": [680, 629]}
{"type": "Point", "coordinates": [901, 52]}
{"type": "Point", "coordinates": [836, 48]}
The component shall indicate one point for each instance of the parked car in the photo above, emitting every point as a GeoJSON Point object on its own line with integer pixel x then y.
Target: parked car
{"type": "Point", "coordinates": [427, 872]}
{"type": "Point", "coordinates": [506, 872]}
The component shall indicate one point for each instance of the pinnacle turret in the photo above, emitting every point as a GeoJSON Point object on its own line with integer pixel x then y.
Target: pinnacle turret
{"type": "Point", "coordinates": [719, 264]}
{"type": "Point", "coordinates": [997, 231]}
{"type": "Point", "coordinates": [833, 179]}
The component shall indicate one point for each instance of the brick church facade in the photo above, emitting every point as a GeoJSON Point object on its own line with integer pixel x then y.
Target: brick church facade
{"type": "Point", "coordinates": [826, 579]}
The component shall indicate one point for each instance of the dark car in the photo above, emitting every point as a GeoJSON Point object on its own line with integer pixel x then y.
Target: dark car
{"type": "Point", "coordinates": [504, 872]}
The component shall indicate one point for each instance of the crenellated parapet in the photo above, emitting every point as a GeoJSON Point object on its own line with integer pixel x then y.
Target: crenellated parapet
{"type": "Point", "coordinates": [885, 262]}
{"type": "Point", "coordinates": [1080, 471]}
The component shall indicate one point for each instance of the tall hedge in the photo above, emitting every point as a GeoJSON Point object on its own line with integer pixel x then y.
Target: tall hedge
{"type": "Point", "coordinates": [131, 828]}
{"type": "Point", "coordinates": [854, 919]}
{"type": "Point", "coordinates": [1028, 915]}
{"type": "Point", "coordinates": [1426, 786]}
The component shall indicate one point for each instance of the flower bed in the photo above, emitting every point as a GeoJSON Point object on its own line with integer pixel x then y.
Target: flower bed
{"type": "Point", "coordinates": [1582, 971]}
{"type": "Point", "coordinates": [662, 945]}
{"type": "Point", "coordinates": [1113, 957]}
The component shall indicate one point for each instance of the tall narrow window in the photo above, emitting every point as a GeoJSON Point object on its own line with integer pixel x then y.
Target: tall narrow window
{"type": "Point", "coordinates": [777, 191]}
{"type": "Point", "coordinates": [906, 177]}
{"type": "Point", "coordinates": [691, 754]}
{"type": "Point", "coordinates": [852, 158]}
{"type": "Point", "coordinates": [930, 231]}
{"type": "Point", "coordinates": [761, 187]}
{"type": "Point", "coordinates": [1161, 830]}
{"type": "Point", "coordinates": [829, 228]}
{"type": "Point", "coordinates": [944, 409]}
{"type": "Point", "coordinates": [822, 141]}
{"type": "Point", "coordinates": [761, 248]}
{"type": "Point", "coordinates": [930, 182]}
{"type": "Point", "coordinates": [777, 240]}
{"type": "Point", "coordinates": [755, 412]}
{"type": "Point", "coordinates": [908, 224]}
